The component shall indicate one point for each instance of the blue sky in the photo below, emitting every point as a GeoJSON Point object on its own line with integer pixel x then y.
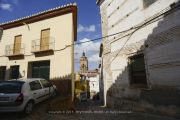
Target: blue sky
{"type": "Point", "coordinates": [88, 21]}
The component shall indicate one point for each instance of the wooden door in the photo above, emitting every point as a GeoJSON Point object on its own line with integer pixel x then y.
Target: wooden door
{"type": "Point", "coordinates": [44, 42]}
{"type": "Point", "coordinates": [17, 44]}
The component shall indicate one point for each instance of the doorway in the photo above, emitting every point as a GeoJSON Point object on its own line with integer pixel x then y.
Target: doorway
{"type": "Point", "coordinates": [14, 72]}
{"type": "Point", "coordinates": [2, 72]}
{"type": "Point", "coordinates": [41, 69]}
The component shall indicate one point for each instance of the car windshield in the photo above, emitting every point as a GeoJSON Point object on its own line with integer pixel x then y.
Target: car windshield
{"type": "Point", "coordinates": [10, 86]}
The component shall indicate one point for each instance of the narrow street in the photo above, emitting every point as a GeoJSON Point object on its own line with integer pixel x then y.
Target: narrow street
{"type": "Point", "coordinates": [90, 110]}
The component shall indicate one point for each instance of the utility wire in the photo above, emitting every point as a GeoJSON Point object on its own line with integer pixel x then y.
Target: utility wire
{"type": "Point", "coordinates": [143, 25]}
{"type": "Point", "coordinates": [124, 31]}
{"type": "Point", "coordinates": [96, 39]}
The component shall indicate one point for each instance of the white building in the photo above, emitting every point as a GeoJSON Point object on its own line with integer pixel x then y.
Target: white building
{"type": "Point", "coordinates": [144, 55]}
{"type": "Point", "coordinates": [37, 45]}
{"type": "Point", "coordinates": [93, 79]}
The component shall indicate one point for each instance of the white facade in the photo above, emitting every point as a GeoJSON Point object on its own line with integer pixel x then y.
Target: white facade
{"type": "Point", "coordinates": [94, 84]}
{"type": "Point", "coordinates": [158, 41]}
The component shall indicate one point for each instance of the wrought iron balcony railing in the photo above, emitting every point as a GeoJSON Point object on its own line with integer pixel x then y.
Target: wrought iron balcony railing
{"type": "Point", "coordinates": [15, 49]}
{"type": "Point", "coordinates": [43, 44]}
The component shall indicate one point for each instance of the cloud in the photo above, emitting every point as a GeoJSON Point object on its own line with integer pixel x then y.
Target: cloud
{"type": "Point", "coordinates": [94, 58]}
{"type": "Point", "coordinates": [6, 6]}
{"type": "Point", "coordinates": [91, 28]}
{"type": "Point", "coordinates": [92, 52]}
{"type": "Point", "coordinates": [90, 48]}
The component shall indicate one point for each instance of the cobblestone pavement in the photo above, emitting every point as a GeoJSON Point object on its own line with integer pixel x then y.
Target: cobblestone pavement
{"type": "Point", "coordinates": [84, 111]}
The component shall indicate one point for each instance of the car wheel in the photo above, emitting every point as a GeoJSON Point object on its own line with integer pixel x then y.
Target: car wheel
{"type": "Point", "coordinates": [28, 108]}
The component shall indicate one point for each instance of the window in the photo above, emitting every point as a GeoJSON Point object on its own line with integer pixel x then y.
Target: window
{"type": "Point", "coordinates": [44, 42]}
{"type": "Point", "coordinates": [137, 70]}
{"type": "Point", "coordinates": [35, 85]}
{"type": "Point", "coordinates": [45, 83]}
{"type": "Point", "coordinates": [41, 69]}
{"type": "Point", "coordinates": [10, 86]}
{"type": "Point", "coordinates": [147, 3]}
{"type": "Point", "coordinates": [17, 44]}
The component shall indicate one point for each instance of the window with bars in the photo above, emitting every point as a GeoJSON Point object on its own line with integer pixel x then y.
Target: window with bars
{"type": "Point", "coordinates": [137, 70]}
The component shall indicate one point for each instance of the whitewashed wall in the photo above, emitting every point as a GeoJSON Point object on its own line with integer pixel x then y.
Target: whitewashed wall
{"type": "Point", "coordinates": [162, 56]}
{"type": "Point", "coordinates": [94, 84]}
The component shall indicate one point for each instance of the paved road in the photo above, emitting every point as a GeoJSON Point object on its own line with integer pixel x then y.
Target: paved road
{"type": "Point", "coordinates": [85, 111]}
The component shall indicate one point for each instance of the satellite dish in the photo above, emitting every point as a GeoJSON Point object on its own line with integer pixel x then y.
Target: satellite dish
{"type": "Point", "coordinates": [1, 32]}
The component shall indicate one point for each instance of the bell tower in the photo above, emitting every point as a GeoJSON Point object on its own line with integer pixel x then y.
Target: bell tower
{"type": "Point", "coordinates": [83, 62]}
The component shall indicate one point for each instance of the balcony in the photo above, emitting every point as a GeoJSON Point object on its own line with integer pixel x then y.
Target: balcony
{"type": "Point", "coordinates": [17, 49]}
{"type": "Point", "coordinates": [45, 44]}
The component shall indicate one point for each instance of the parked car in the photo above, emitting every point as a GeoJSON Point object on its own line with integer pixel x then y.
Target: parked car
{"type": "Point", "coordinates": [22, 94]}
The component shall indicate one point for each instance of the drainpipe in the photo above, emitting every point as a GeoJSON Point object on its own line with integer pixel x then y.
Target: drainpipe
{"type": "Point", "coordinates": [72, 70]}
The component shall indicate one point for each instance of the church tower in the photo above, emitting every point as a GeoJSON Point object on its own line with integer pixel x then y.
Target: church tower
{"type": "Point", "coordinates": [83, 62]}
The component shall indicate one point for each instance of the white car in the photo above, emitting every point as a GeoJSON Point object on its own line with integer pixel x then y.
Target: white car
{"type": "Point", "coordinates": [22, 94]}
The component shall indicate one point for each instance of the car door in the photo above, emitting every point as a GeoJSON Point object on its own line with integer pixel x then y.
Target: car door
{"type": "Point", "coordinates": [46, 88]}
{"type": "Point", "coordinates": [36, 90]}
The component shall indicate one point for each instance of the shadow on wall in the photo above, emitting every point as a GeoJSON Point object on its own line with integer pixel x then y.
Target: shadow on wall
{"type": "Point", "coordinates": [162, 60]}
{"type": "Point", "coordinates": [18, 57]}
{"type": "Point", "coordinates": [44, 53]}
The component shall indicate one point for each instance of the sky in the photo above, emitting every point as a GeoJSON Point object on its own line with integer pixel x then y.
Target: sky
{"type": "Point", "coordinates": [89, 25]}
